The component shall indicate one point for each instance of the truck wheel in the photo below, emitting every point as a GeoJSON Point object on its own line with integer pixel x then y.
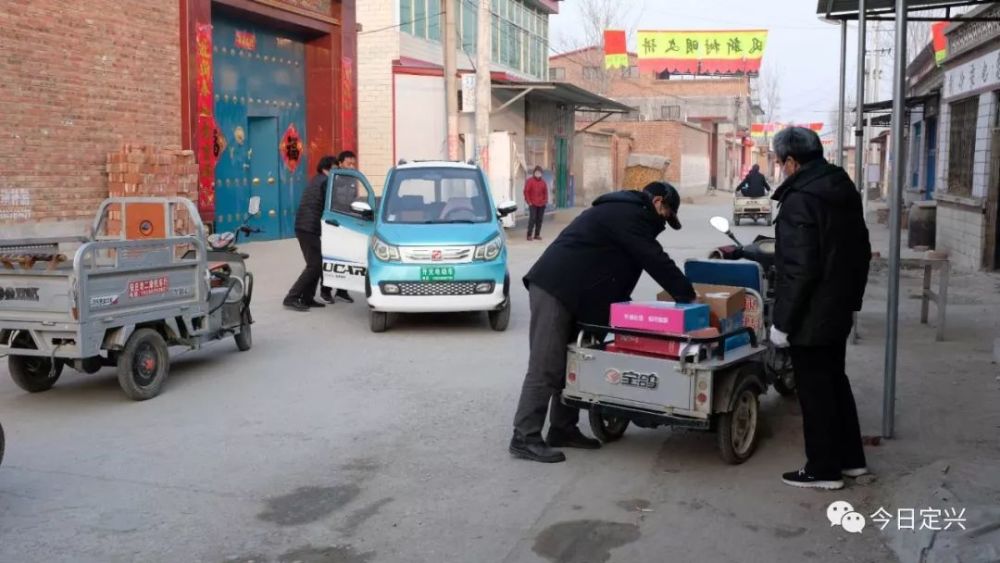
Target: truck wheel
{"type": "Point", "coordinates": [378, 321]}
{"type": "Point", "coordinates": [768, 221]}
{"type": "Point", "coordinates": [739, 428]}
{"type": "Point", "coordinates": [244, 340]}
{"type": "Point", "coordinates": [607, 428]}
{"type": "Point", "coordinates": [736, 219]}
{"type": "Point", "coordinates": [500, 318]}
{"type": "Point", "coordinates": [143, 365]}
{"type": "Point", "coordinates": [34, 374]}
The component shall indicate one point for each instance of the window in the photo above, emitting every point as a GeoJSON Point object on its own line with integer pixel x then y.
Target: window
{"type": "Point", "coordinates": [671, 113]}
{"type": "Point", "coordinates": [591, 72]}
{"type": "Point", "coordinates": [469, 16]}
{"type": "Point", "coordinates": [434, 17]}
{"type": "Point", "coordinates": [346, 190]}
{"type": "Point", "coordinates": [962, 146]}
{"type": "Point", "coordinates": [406, 16]}
{"type": "Point", "coordinates": [557, 73]}
{"type": "Point", "coordinates": [420, 18]}
{"type": "Point", "coordinates": [436, 195]}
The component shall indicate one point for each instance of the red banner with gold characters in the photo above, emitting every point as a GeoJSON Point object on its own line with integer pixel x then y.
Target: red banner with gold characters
{"type": "Point", "coordinates": [762, 130]}
{"type": "Point", "coordinates": [733, 52]}
{"type": "Point", "coordinates": [615, 53]}
{"type": "Point", "coordinates": [207, 135]}
{"type": "Point", "coordinates": [348, 134]}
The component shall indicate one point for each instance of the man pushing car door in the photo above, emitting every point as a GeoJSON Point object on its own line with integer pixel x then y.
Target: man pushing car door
{"type": "Point", "coordinates": [594, 262]}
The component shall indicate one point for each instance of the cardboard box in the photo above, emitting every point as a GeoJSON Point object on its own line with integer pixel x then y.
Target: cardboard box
{"type": "Point", "coordinates": [724, 301]}
{"type": "Point", "coordinates": [657, 347]}
{"type": "Point", "coordinates": [660, 316]}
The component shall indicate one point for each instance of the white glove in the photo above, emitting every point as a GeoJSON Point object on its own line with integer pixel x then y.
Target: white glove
{"type": "Point", "coordinates": [778, 338]}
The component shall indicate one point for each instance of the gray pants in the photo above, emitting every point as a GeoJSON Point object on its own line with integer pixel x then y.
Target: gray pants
{"type": "Point", "coordinates": [552, 329]}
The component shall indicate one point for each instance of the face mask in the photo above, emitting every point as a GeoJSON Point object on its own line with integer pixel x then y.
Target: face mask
{"type": "Point", "coordinates": [538, 174]}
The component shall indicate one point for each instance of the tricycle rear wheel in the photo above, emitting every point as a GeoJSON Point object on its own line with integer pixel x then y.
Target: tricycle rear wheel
{"type": "Point", "coordinates": [607, 428]}
{"type": "Point", "coordinates": [143, 365]}
{"type": "Point", "coordinates": [738, 429]}
{"type": "Point", "coordinates": [244, 340]}
{"type": "Point", "coordinates": [34, 374]}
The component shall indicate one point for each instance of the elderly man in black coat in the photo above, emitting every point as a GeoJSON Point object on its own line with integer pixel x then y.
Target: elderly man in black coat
{"type": "Point", "coordinates": [822, 258]}
{"type": "Point", "coordinates": [594, 262]}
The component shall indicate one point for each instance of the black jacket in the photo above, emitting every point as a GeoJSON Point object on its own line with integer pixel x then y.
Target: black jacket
{"type": "Point", "coordinates": [598, 258]}
{"type": "Point", "coordinates": [754, 185]}
{"type": "Point", "coordinates": [822, 255]}
{"type": "Point", "coordinates": [310, 214]}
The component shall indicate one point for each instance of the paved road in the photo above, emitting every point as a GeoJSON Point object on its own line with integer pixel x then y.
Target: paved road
{"type": "Point", "coordinates": [327, 443]}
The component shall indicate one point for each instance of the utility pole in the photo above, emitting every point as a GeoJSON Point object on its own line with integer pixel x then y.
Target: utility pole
{"type": "Point", "coordinates": [448, 43]}
{"type": "Point", "coordinates": [484, 48]}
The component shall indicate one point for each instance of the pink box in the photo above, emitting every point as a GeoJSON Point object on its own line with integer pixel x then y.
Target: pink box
{"type": "Point", "coordinates": [659, 316]}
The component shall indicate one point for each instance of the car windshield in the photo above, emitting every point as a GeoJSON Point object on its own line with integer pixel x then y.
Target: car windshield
{"type": "Point", "coordinates": [436, 196]}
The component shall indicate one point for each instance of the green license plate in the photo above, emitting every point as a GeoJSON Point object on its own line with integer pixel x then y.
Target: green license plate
{"type": "Point", "coordinates": [437, 273]}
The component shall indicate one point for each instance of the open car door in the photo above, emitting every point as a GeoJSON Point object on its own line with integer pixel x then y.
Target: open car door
{"type": "Point", "coordinates": [348, 224]}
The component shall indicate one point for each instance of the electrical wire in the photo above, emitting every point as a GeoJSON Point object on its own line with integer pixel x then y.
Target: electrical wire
{"type": "Point", "coordinates": [401, 24]}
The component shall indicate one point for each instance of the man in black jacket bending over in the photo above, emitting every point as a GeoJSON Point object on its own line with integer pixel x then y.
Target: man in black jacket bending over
{"type": "Point", "coordinates": [596, 261]}
{"type": "Point", "coordinates": [308, 221]}
{"type": "Point", "coordinates": [822, 255]}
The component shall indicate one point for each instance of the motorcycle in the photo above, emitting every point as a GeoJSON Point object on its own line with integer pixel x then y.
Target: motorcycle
{"type": "Point", "coordinates": [777, 361]}
{"type": "Point", "coordinates": [230, 282]}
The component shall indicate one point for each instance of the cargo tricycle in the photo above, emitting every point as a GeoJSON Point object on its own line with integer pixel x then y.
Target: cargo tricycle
{"type": "Point", "coordinates": [133, 287]}
{"type": "Point", "coordinates": [709, 386]}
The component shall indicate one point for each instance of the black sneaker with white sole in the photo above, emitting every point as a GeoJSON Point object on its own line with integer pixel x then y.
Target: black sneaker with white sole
{"type": "Point", "coordinates": [806, 481]}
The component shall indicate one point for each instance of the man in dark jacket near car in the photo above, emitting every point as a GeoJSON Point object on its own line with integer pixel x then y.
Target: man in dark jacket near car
{"type": "Point", "coordinates": [822, 256]}
{"type": "Point", "coordinates": [594, 262]}
{"type": "Point", "coordinates": [308, 221]}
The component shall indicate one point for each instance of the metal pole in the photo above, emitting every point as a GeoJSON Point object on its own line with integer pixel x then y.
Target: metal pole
{"type": "Point", "coordinates": [859, 130]}
{"type": "Point", "coordinates": [449, 43]}
{"type": "Point", "coordinates": [842, 90]}
{"type": "Point", "coordinates": [859, 123]}
{"type": "Point", "coordinates": [484, 49]}
{"type": "Point", "coordinates": [895, 220]}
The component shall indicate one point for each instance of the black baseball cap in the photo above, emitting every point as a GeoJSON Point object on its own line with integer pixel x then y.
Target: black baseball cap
{"type": "Point", "coordinates": [670, 197]}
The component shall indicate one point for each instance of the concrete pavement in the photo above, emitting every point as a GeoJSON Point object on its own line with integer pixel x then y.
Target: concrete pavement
{"type": "Point", "coordinates": [327, 443]}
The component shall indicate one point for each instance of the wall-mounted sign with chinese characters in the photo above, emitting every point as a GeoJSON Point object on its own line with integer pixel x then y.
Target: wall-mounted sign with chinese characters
{"type": "Point", "coordinates": [702, 52]}
{"type": "Point", "coordinates": [246, 40]}
{"type": "Point", "coordinates": [291, 148]}
{"type": "Point", "coordinates": [974, 77]}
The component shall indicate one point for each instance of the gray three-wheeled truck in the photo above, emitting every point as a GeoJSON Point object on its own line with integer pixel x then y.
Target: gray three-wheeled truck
{"type": "Point", "coordinates": [132, 288]}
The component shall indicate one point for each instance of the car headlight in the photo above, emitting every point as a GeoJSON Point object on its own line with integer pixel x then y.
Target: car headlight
{"type": "Point", "coordinates": [490, 250]}
{"type": "Point", "coordinates": [384, 252]}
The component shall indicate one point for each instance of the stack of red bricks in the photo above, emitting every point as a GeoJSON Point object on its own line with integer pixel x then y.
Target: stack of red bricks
{"type": "Point", "coordinates": [144, 171]}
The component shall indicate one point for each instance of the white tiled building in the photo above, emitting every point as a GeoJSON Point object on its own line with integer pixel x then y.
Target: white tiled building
{"type": "Point", "coordinates": [401, 111]}
{"type": "Point", "coordinates": [968, 136]}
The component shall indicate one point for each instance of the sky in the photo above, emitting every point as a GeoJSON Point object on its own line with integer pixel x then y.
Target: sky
{"type": "Point", "coordinates": [804, 50]}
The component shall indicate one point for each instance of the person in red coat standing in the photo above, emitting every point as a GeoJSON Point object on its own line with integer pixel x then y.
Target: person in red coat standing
{"type": "Point", "coordinates": [536, 196]}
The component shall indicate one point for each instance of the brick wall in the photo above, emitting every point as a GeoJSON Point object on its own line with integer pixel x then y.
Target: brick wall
{"type": "Point", "coordinates": [960, 232]}
{"type": "Point", "coordinates": [79, 80]}
{"type": "Point", "coordinates": [375, 87]}
{"type": "Point", "coordinates": [135, 171]}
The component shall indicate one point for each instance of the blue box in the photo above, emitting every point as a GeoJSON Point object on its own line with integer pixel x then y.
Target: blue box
{"type": "Point", "coordinates": [731, 323]}
{"type": "Point", "coordinates": [737, 341]}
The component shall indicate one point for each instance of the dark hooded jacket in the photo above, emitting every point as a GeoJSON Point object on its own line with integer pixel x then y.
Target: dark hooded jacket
{"type": "Point", "coordinates": [598, 258]}
{"type": "Point", "coordinates": [754, 185]}
{"type": "Point", "coordinates": [308, 218]}
{"type": "Point", "coordinates": [822, 255]}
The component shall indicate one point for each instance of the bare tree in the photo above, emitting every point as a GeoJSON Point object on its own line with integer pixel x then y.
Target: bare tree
{"type": "Point", "coordinates": [596, 17]}
{"type": "Point", "coordinates": [769, 85]}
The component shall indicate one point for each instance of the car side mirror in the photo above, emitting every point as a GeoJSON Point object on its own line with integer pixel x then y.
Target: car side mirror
{"type": "Point", "coordinates": [363, 209]}
{"type": "Point", "coordinates": [254, 208]}
{"type": "Point", "coordinates": [506, 208]}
